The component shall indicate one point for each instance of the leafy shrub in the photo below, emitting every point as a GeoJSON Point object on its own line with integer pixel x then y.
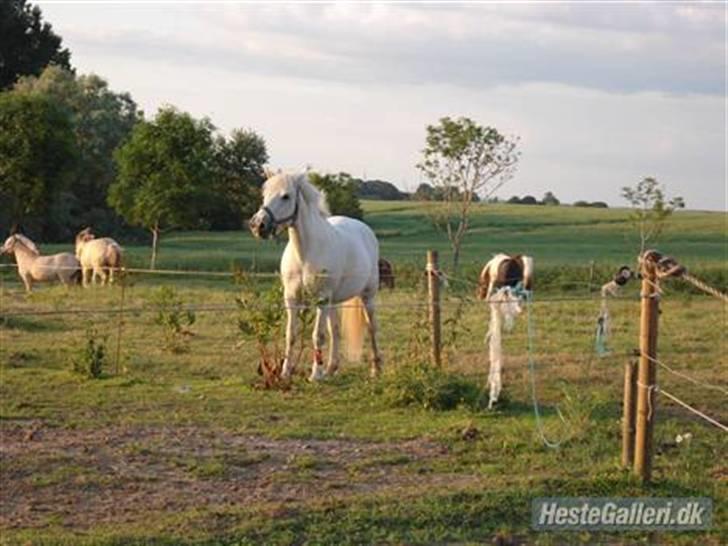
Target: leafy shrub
{"type": "Point", "coordinates": [429, 387]}
{"type": "Point", "coordinates": [174, 319]}
{"type": "Point", "coordinates": [262, 316]}
{"type": "Point", "coordinates": [90, 359]}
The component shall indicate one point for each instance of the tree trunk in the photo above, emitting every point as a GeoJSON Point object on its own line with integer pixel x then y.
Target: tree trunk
{"type": "Point", "coordinates": [155, 245]}
{"type": "Point", "coordinates": [455, 255]}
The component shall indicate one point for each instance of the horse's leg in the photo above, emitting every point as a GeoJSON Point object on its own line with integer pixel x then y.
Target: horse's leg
{"type": "Point", "coordinates": [291, 331]}
{"type": "Point", "coordinates": [333, 324]}
{"type": "Point", "coordinates": [376, 366]}
{"type": "Point", "coordinates": [28, 282]}
{"type": "Point", "coordinates": [319, 339]}
{"type": "Point", "coordinates": [104, 274]}
{"type": "Point", "coordinates": [85, 276]}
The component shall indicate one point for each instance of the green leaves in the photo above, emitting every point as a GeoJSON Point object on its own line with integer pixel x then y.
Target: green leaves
{"type": "Point", "coordinates": [164, 171]}
{"type": "Point", "coordinates": [341, 193]}
{"type": "Point", "coordinates": [650, 208]}
{"type": "Point", "coordinates": [28, 44]}
{"type": "Point", "coordinates": [37, 154]}
{"type": "Point", "coordinates": [462, 160]}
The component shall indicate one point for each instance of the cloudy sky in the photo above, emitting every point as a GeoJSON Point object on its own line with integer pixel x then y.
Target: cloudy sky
{"type": "Point", "coordinates": [600, 94]}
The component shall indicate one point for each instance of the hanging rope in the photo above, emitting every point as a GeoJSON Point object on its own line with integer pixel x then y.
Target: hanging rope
{"type": "Point", "coordinates": [610, 289]}
{"type": "Point", "coordinates": [527, 295]}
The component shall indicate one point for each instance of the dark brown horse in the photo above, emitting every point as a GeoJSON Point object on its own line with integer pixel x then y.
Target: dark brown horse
{"type": "Point", "coordinates": [386, 274]}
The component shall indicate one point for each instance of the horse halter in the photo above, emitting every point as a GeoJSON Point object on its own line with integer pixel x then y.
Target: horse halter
{"type": "Point", "coordinates": [290, 218]}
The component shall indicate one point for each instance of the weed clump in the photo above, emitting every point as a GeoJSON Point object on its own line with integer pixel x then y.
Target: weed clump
{"type": "Point", "coordinates": [174, 319]}
{"type": "Point", "coordinates": [429, 387]}
{"type": "Point", "coordinates": [90, 359]}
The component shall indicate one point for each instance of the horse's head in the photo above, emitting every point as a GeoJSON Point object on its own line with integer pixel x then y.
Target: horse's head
{"type": "Point", "coordinates": [16, 240]}
{"type": "Point", "coordinates": [281, 194]}
{"type": "Point", "coordinates": [82, 237]}
{"type": "Point", "coordinates": [9, 245]}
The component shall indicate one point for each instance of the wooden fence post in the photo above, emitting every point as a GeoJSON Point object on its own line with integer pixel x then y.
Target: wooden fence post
{"type": "Point", "coordinates": [646, 374]}
{"type": "Point", "coordinates": [630, 386]}
{"type": "Point", "coordinates": [433, 289]}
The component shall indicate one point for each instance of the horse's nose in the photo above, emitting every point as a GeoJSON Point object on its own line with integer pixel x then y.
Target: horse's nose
{"type": "Point", "coordinates": [258, 226]}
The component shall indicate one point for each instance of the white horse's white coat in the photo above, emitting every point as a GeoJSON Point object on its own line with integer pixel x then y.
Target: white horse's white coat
{"type": "Point", "coordinates": [334, 259]}
{"type": "Point", "coordinates": [97, 257]}
{"type": "Point", "coordinates": [32, 267]}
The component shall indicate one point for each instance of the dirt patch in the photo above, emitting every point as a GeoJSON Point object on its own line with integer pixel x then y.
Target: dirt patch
{"type": "Point", "coordinates": [80, 478]}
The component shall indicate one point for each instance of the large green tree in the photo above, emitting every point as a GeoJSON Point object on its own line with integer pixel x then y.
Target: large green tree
{"type": "Point", "coordinates": [164, 174]}
{"type": "Point", "coordinates": [463, 159]}
{"type": "Point", "coordinates": [341, 193]}
{"type": "Point", "coordinates": [27, 43]}
{"type": "Point", "coordinates": [239, 175]}
{"type": "Point", "coordinates": [102, 120]}
{"type": "Point", "coordinates": [37, 157]}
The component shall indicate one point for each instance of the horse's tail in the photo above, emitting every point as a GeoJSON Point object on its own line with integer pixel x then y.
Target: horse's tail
{"type": "Point", "coordinates": [115, 255]}
{"type": "Point", "coordinates": [353, 325]}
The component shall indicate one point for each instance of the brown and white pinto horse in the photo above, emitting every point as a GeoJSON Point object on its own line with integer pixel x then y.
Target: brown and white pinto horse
{"type": "Point", "coordinates": [504, 270]}
{"type": "Point", "coordinates": [497, 280]}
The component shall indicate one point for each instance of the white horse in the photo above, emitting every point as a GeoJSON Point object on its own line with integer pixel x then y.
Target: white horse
{"type": "Point", "coordinates": [334, 259]}
{"type": "Point", "coordinates": [32, 267]}
{"type": "Point", "coordinates": [97, 257]}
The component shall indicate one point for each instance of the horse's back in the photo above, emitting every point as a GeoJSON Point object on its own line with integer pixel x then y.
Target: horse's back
{"type": "Point", "coordinates": [47, 268]}
{"type": "Point", "coordinates": [101, 252]}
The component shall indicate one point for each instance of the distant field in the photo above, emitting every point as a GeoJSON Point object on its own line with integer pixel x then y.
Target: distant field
{"type": "Point", "coordinates": [555, 236]}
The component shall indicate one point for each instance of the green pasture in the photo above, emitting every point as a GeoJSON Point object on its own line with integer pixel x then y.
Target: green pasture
{"type": "Point", "coordinates": [554, 236]}
{"type": "Point", "coordinates": [182, 446]}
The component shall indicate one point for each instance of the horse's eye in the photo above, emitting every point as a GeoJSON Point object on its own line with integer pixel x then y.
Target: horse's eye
{"type": "Point", "coordinates": [286, 197]}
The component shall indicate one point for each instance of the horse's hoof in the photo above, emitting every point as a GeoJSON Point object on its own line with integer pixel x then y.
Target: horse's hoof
{"type": "Point", "coordinates": [317, 374]}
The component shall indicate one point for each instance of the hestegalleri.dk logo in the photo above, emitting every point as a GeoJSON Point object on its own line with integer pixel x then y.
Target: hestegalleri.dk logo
{"type": "Point", "coordinates": [621, 514]}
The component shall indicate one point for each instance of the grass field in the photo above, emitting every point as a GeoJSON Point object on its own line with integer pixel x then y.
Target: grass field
{"type": "Point", "coordinates": [184, 447]}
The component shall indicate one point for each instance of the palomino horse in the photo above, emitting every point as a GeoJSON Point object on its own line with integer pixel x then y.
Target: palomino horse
{"type": "Point", "coordinates": [497, 284]}
{"type": "Point", "coordinates": [386, 274]}
{"type": "Point", "coordinates": [334, 259]}
{"type": "Point", "coordinates": [97, 256]}
{"type": "Point", "coordinates": [32, 267]}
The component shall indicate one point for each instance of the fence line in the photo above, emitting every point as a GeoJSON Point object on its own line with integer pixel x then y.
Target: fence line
{"type": "Point", "coordinates": [691, 409]}
{"type": "Point", "coordinates": [232, 307]}
{"type": "Point", "coordinates": [684, 376]}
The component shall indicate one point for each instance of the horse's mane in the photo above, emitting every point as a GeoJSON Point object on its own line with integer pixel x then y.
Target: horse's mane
{"type": "Point", "coordinates": [30, 245]}
{"type": "Point", "coordinates": [314, 198]}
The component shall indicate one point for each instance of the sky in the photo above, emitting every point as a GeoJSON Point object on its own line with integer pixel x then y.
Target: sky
{"type": "Point", "coordinates": [600, 95]}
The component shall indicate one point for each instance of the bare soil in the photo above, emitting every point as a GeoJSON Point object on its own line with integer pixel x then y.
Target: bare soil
{"type": "Point", "coordinates": [80, 478]}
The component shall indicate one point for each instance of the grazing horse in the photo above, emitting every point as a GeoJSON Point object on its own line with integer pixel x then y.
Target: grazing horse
{"type": "Point", "coordinates": [386, 274]}
{"type": "Point", "coordinates": [498, 279]}
{"type": "Point", "coordinates": [332, 258]}
{"type": "Point", "coordinates": [97, 256]}
{"type": "Point", "coordinates": [32, 267]}
{"type": "Point", "coordinates": [505, 270]}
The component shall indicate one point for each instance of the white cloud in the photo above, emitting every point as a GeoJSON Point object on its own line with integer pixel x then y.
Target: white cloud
{"type": "Point", "coordinates": [601, 95]}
